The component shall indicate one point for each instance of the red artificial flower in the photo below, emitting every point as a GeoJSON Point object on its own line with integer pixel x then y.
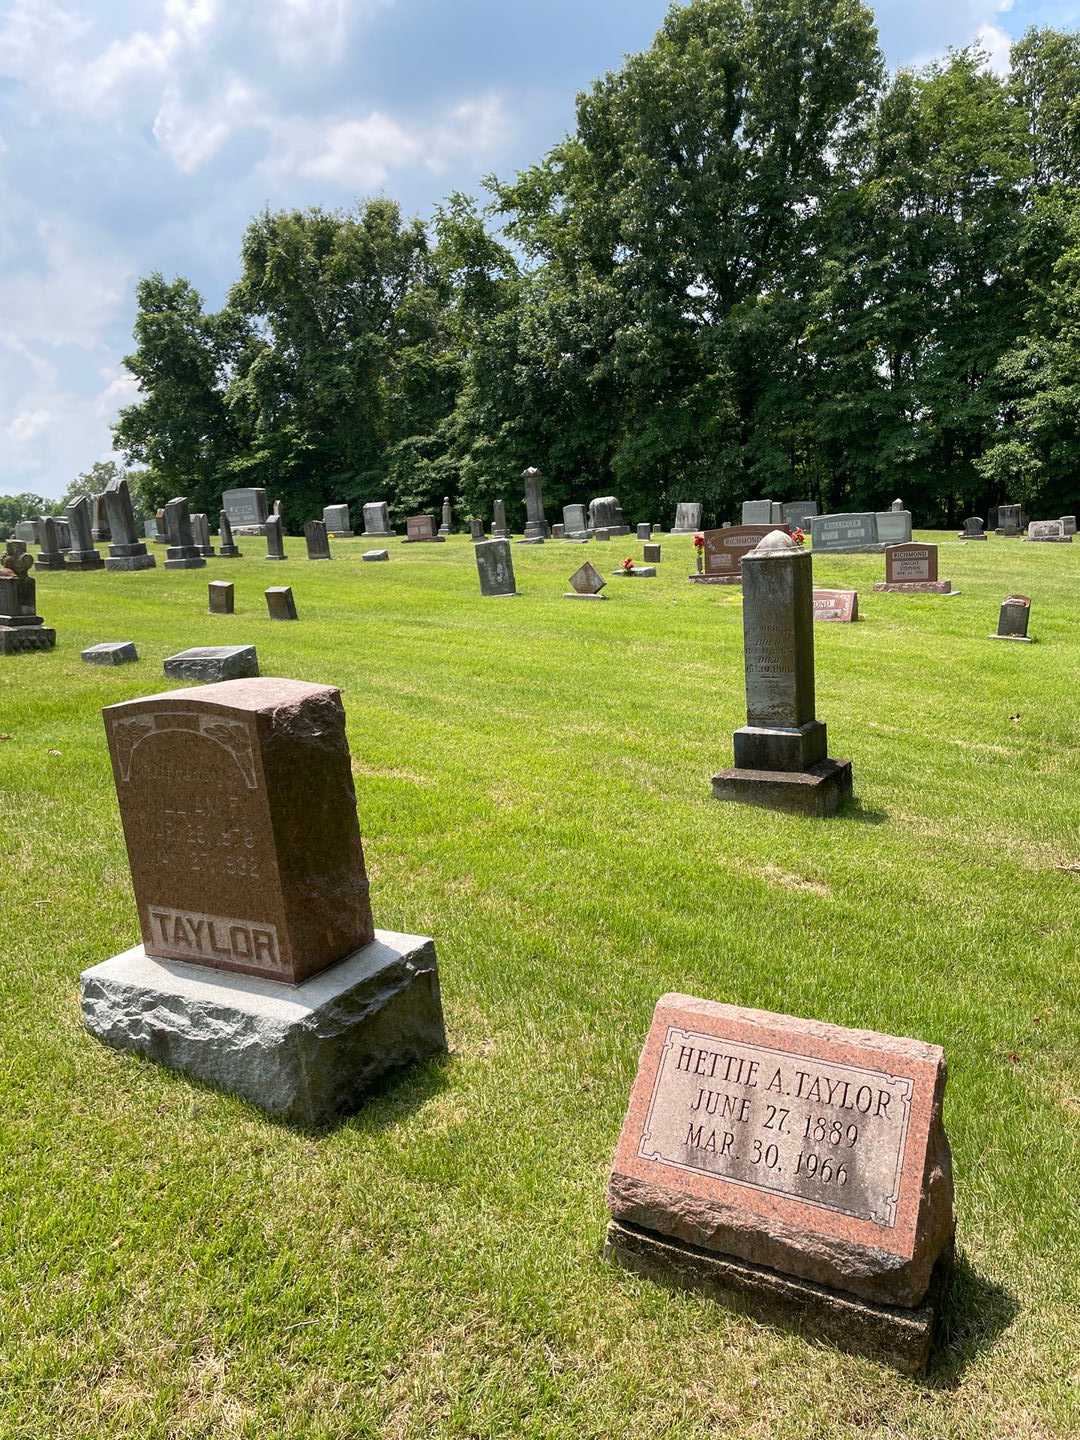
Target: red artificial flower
{"type": "Point", "coordinates": [699, 542]}
{"type": "Point", "coordinates": [628, 563]}
{"type": "Point", "coordinates": [799, 536]}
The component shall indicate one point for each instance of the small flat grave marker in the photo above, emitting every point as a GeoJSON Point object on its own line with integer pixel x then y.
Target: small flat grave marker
{"type": "Point", "coordinates": [839, 605]}
{"type": "Point", "coordinates": [375, 555]}
{"type": "Point", "coordinates": [111, 652]}
{"type": "Point", "coordinates": [211, 663]}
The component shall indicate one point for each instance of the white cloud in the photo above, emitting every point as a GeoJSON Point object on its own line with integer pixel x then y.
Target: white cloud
{"type": "Point", "coordinates": [997, 46]}
{"type": "Point", "coordinates": [192, 134]}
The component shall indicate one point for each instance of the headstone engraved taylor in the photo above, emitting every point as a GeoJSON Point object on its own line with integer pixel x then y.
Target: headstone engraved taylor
{"type": "Point", "coordinates": [1052, 531]}
{"type": "Point", "coordinates": [913, 569]}
{"type": "Point", "coordinates": [495, 567]}
{"type": "Point", "coordinates": [82, 555]}
{"type": "Point", "coordinates": [317, 540]}
{"type": "Point", "coordinates": [260, 969]}
{"type": "Point", "coordinates": [246, 509]}
{"type": "Point", "coordinates": [1013, 619]}
{"type": "Point", "coordinates": [377, 520]}
{"type": "Point", "coordinates": [275, 540]}
{"type": "Point", "coordinates": [127, 551]}
{"type": "Point", "coordinates": [841, 606]}
{"type": "Point", "coordinates": [781, 759]}
{"type": "Point", "coordinates": [222, 597]}
{"type": "Point", "coordinates": [499, 528]}
{"type": "Point", "coordinates": [420, 530]}
{"type": "Point", "coordinates": [973, 528]}
{"type": "Point", "coordinates": [21, 628]}
{"type": "Point", "coordinates": [724, 551]}
{"type": "Point", "coordinates": [845, 534]}
{"type": "Point", "coordinates": [587, 583]}
{"type": "Point", "coordinates": [101, 530]}
{"type": "Point", "coordinates": [200, 531]}
{"type": "Point", "coordinates": [793, 1167]}
{"type": "Point", "coordinates": [227, 548]}
{"type": "Point", "coordinates": [337, 522]}
{"type": "Point", "coordinates": [183, 553]}
{"type": "Point", "coordinates": [687, 518]}
{"type": "Point", "coordinates": [536, 527]}
{"type": "Point", "coordinates": [50, 556]}
{"type": "Point", "coordinates": [208, 664]}
{"type": "Point", "coordinates": [280, 603]}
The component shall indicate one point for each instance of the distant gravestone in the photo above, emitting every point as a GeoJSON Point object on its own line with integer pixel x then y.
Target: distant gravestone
{"type": "Point", "coordinates": [227, 547]}
{"type": "Point", "coordinates": [447, 517]}
{"type": "Point", "coordinates": [50, 556]}
{"type": "Point", "coordinates": [644, 531]}
{"type": "Point", "coordinates": [27, 531]}
{"type": "Point", "coordinates": [100, 530]}
{"type": "Point", "coordinates": [536, 526]}
{"type": "Point", "coordinates": [317, 540]}
{"type": "Point", "coordinates": [200, 530]}
{"type": "Point", "coordinates": [1013, 619]}
{"type": "Point", "coordinates": [687, 518]}
{"type": "Point", "coordinates": [845, 534]}
{"type": "Point", "coordinates": [210, 663]}
{"type": "Point", "coordinates": [724, 550]}
{"type": "Point", "coordinates": [1048, 531]}
{"type": "Point", "coordinates": [127, 551]}
{"type": "Point", "coordinates": [558, 531]}
{"type": "Point", "coordinates": [375, 555]}
{"type": "Point", "coordinates": [974, 528]}
{"type": "Point", "coordinates": [183, 553]}
{"type": "Point", "coordinates": [21, 628]}
{"type": "Point", "coordinates": [150, 530]}
{"type": "Point", "coordinates": [841, 606]}
{"type": "Point", "coordinates": [377, 520]}
{"type": "Point", "coordinates": [574, 520]}
{"type": "Point", "coordinates": [255, 868]}
{"type": "Point", "coordinates": [605, 513]}
{"type": "Point", "coordinates": [499, 528]}
{"type": "Point", "coordinates": [222, 597]}
{"type": "Point", "coordinates": [793, 1168]}
{"type": "Point", "coordinates": [246, 509]}
{"type": "Point", "coordinates": [799, 513]}
{"type": "Point", "coordinates": [495, 567]}
{"type": "Point", "coordinates": [776, 513]}
{"type": "Point", "coordinates": [1008, 518]}
{"type": "Point", "coordinates": [63, 531]}
{"type": "Point", "coordinates": [651, 554]}
{"type": "Point", "coordinates": [894, 527]}
{"type": "Point", "coordinates": [420, 530]}
{"type": "Point", "coordinates": [587, 583]}
{"type": "Point", "coordinates": [780, 753]}
{"type": "Point", "coordinates": [280, 604]}
{"type": "Point", "coordinates": [337, 522]}
{"type": "Point", "coordinates": [476, 531]}
{"type": "Point", "coordinates": [601, 534]}
{"type": "Point", "coordinates": [896, 506]}
{"type": "Point", "coordinates": [1068, 523]}
{"type": "Point", "coordinates": [275, 540]}
{"type": "Point", "coordinates": [82, 555]}
{"type": "Point", "coordinates": [111, 652]}
{"type": "Point", "coordinates": [757, 512]}
{"type": "Point", "coordinates": [913, 569]}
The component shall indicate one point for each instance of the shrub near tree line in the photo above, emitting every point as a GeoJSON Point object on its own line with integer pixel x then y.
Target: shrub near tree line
{"type": "Point", "coordinates": [759, 266]}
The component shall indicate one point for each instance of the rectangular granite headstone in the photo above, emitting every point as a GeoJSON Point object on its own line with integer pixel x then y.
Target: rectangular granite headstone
{"type": "Point", "coordinates": [82, 555]}
{"type": "Point", "coordinates": [574, 519]}
{"type": "Point", "coordinates": [894, 527]}
{"type": "Point", "coordinates": [222, 597]}
{"type": "Point", "coordinates": [317, 540]}
{"type": "Point", "coordinates": [1013, 618]}
{"type": "Point", "coordinates": [246, 508]}
{"type": "Point", "coordinates": [1048, 530]}
{"type": "Point", "coordinates": [810, 1150]}
{"type": "Point", "coordinates": [420, 530]}
{"type": "Point", "coordinates": [651, 553]}
{"type": "Point", "coordinates": [687, 518]}
{"type": "Point", "coordinates": [336, 519]}
{"type": "Point", "coordinates": [280, 603]}
{"type": "Point", "coordinates": [377, 519]}
{"type": "Point", "coordinates": [254, 863]}
{"type": "Point", "coordinates": [913, 568]}
{"type": "Point", "coordinates": [495, 566]}
{"type": "Point", "coordinates": [275, 538]}
{"type": "Point", "coordinates": [1068, 524]}
{"type": "Point", "coordinates": [757, 512]}
{"type": "Point", "coordinates": [799, 513]}
{"type": "Point", "coordinates": [724, 551]}
{"type": "Point", "coordinates": [127, 550]}
{"type": "Point", "coordinates": [840, 533]}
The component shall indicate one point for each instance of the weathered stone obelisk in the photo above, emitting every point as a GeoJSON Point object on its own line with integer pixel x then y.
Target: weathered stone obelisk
{"type": "Point", "coordinates": [536, 527]}
{"type": "Point", "coordinates": [127, 550]}
{"type": "Point", "coordinates": [780, 753]}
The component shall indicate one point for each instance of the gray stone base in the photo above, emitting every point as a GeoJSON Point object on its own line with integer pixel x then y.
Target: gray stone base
{"type": "Point", "coordinates": [379, 535]}
{"type": "Point", "coordinates": [531, 540]}
{"type": "Point", "coordinates": [1045, 539]}
{"type": "Point", "coordinates": [1024, 639]}
{"type": "Point", "coordinates": [50, 562]}
{"type": "Point", "coordinates": [111, 652]}
{"type": "Point", "coordinates": [893, 1336]}
{"type": "Point", "coordinates": [305, 1053]}
{"type": "Point", "coordinates": [83, 560]}
{"type": "Point", "coordinates": [715, 579]}
{"type": "Point", "coordinates": [796, 750]}
{"type": "Point", "coordinates": [229, 552]}
{"type": "Point", "coordinates": [275, 557]}
{"type": "Point", "coordinates": [210, 663]}
{"type": "Point", "coordinates": [427, 540]}
{"type": "Point", "coordinates": [145, 561]}
{"type": "Point", "coordinates": [21, 639]}
{"type": "Point", "coordinates": [576, 595]}
{"type": "Point", "coordinates": [642, 572]}
{"type": "Point", "coordinates": [195, 562]}
{"type": "Point", "coordinates": [819, 791]}
{"type": "Point", "coordinates": [917, 587]}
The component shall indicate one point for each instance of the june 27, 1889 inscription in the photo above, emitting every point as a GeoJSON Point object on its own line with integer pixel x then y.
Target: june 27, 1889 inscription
{"type": "Point", "coordinates": [832, 1135]}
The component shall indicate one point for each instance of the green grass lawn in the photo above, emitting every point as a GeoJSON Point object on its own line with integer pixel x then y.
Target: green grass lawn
{"type": "Point", "coordinates": [533, 784]}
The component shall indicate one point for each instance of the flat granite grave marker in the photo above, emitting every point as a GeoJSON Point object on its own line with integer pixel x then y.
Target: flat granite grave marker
{"type": "Point", "coordinates": [182, 552]}
{"type": "Point", "coordinates": [1048, 531]}
{"type": "Point", "coordinates": [780, 753]}
{"type": "Point", "coordinates": [536, 526]}
{"type": "Point", "coordinates": [420, 530]}
{"type": "Point", "coordinates": [375, 555]}
{"type": "Point", "coordinates": [337, 522]}
{"type": "Point", "coordinates": [209, 664]}
{"type": "Point", "coordinates": [495, 567]}
{"type": "Point", "coordinates": [82, 555]}
{"type": "Point", "coordinates": [127, 551]}
{"type": "Point", "coordinates": [724, 550]}
{"type": "Point", "coordinates": [246, 509]}
{"type": "Point", "coordinates": [280, 604]}
{"type": "Point", "coordinates": [845, 534]}
{"type": "Point", "coordinates": [974, 528]}
{"type": "Point", "coordinates": [317, 540]}
{"type": "Point", "coordinates": [21, 628]}
{"type": "Point", "coordinates": [841, 606]}
{"type": "Point", "coordinates": [50, 556]}
{"type": "Point", "coordinates": [275, 539]}
{"type": "Point", "coordinates": [794, 1168]}
{"type": "Point", "coordinates": [913, 570]}
{"type": "Point", "coordinates": [221, 597]}
{"type": "Point", "coordinates": [377, 521]}
{"type": "Point", "coordinates": [587, 583]}
{"type": "Point", "coordinates": [227, 548]}
{"type": "Point", "coordinates": [260, 970]}
{"type": "Point", "coordinates": [111, 652]}
{"type": "Point", "coordinates": [1013, 619]}
{"type": "Point", "coordinates": [687, 518]}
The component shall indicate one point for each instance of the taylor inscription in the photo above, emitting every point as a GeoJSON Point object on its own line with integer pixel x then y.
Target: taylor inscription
{"type": "Point", "coordinates": [828, 1134]}
{"type": "Point", "coordinates": [210, 939]}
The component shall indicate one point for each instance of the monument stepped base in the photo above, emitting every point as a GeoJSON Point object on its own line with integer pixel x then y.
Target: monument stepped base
{"type": "Point", "coordinates": [891, 1335]}
{"type": "Point", "coordinates": [305, 1053]}
{"type": "Point", "coordinates": [715, 579]}
{"type": "Point", "coordinates": [918, 587]}
{"type": "Point", "coordinates": [130, 562]}
{"type": "Point", "coordinates": [821, 790]}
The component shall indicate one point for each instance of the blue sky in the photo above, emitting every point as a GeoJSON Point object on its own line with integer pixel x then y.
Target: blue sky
{"type": "Point", "coordinates": [142, 136]}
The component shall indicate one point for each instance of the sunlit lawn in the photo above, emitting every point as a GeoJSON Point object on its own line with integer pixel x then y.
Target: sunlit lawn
{"type": "Point", "coordinates": [533, 781]}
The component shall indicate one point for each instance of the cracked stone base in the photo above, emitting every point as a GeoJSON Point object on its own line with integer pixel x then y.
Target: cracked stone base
{"type": "Point", "coordinates": [819, 791]}
{"type": "Point", "coordinates": [305, 1053]}
{"type": "Point", "coordinates": [886, 1333]}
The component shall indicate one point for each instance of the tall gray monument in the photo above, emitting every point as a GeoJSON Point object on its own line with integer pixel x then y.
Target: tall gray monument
{"type": "Point", "coordinates": [50, 556]}
{"type": "Point", "coordinates": [227, 547]}
{"type": "Point", "coordinates": [499, 528]}
{"type": "Point", "coordinates": [536, 527]}
{"type": "Point", "coordinates": [82, 555]}
{"type": "Point", "coordinates": [127, 550]}
{"type": "Point", "coordinates": [781, 759]}
{"type": "Point", "coordinates": [447, 516]}
{"type": "Point", "coordinates": [183, 553]}
{"type": "Point", "coordinates": [200, 529]}
{"type": "Point", "coordinates": [275, 543]}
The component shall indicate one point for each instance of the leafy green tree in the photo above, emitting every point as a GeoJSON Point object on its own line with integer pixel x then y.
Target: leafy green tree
{"type": "Point", "coordinates": [26, 506]}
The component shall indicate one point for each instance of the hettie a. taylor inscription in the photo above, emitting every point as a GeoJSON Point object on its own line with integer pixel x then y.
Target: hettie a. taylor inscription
{"type": "Point", "coordinates": [827, 1134]}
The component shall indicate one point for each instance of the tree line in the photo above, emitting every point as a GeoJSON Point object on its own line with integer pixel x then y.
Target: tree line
{"type": "Point", "coordinates": [759, 266]}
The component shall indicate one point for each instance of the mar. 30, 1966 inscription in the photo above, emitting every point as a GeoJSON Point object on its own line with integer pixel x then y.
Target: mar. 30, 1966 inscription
{"type": "Point", "coordinates": [828, 1134]}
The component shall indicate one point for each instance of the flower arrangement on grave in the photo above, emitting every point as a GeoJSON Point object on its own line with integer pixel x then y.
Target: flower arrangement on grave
{"type": "Point", "coordinates": [699, 551]}
{"type": "Point", "coordinates": [628, 565]}
{"type": "Point", "coordinates": [799, 536]}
